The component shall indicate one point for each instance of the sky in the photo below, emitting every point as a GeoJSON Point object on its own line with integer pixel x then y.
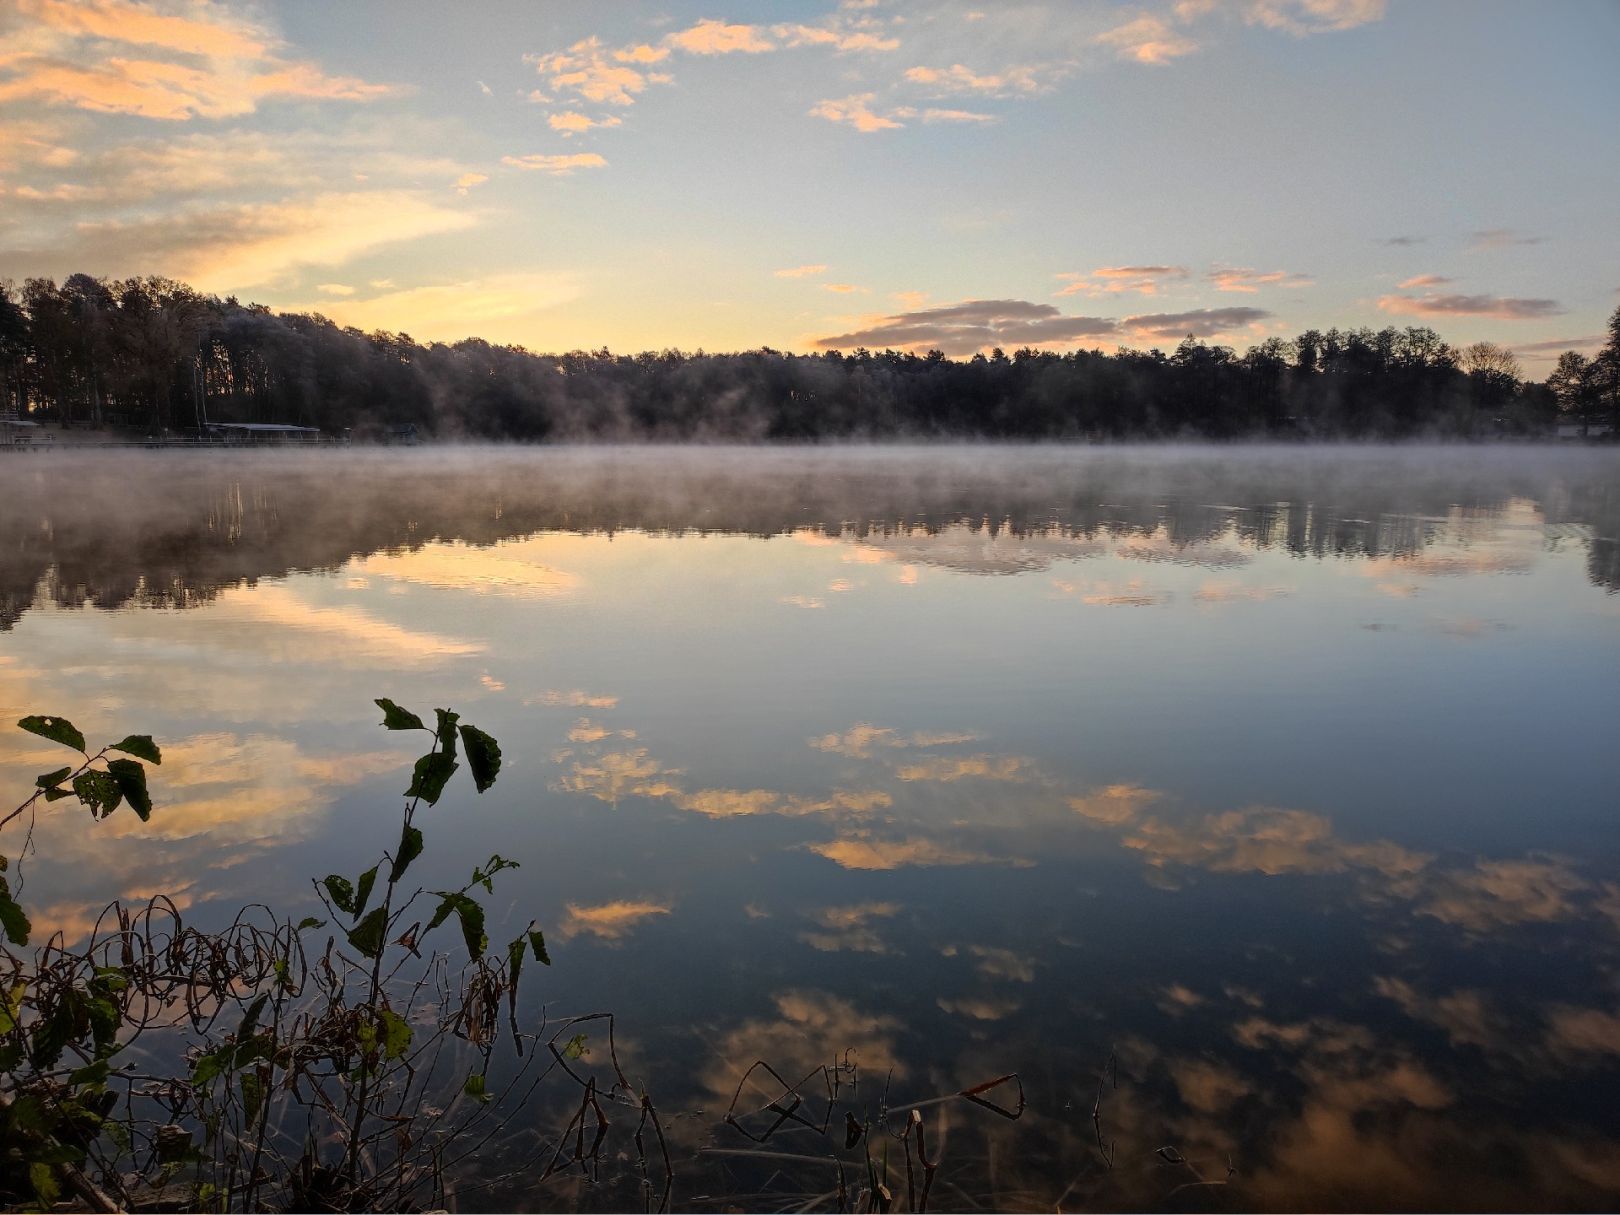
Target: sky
{"type": "Point", "coordinates": [821, 175]}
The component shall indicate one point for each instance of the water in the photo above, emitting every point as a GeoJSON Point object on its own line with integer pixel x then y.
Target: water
{"type": "Point", "coordinates": [1285, 778]}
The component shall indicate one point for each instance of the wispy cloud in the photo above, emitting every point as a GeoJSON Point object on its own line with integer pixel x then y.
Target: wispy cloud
{"type": "Point", "coordinates": [1426, 280]}
{"type": "Point", "coordinates": [855, 110]}
{"type": "Point", "coordinates": [486, 307]}
{"type": "Point", "coordinates": [1302, 17]}
{"type": "Point", "coordinates": [801, 271]}
{"type": "Point", "coordinates": [973, 325]}
{"type": "Point", "coordinates": [1500, 238]}
{"type": "Point", "coordinates": [557, 166]}
{"type": "Point", "coordinates": [959, 79]}
{"type": "Point", "coordinates": [1113, 280]}
{"type": "Point", "coordinates": [1500, 307]}
{"type": "Point", "coordinates": [1148, 39]}
{"type": "Point", "coordinates": [226, 248]}
{"type": "Point", "coordinates": [710, 37]}
{"type": "Point", "coordinates": [113, 56]}
{"type": "Point", "coordinates": [840, 38]}
{"type": "Point", "coordinates": [572, 122]}
{"type": "Point", "coordinates": [1228, 278]}
{"type": "Point", "coordinates": [589, 71]}
{"type": "Point", "coordinates": [1198, 322]}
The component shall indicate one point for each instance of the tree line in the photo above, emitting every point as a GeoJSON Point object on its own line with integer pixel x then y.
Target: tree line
{"type": "Point", "coordinates": [154, 354]}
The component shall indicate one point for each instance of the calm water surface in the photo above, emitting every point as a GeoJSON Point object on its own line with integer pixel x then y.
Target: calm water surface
{"type": "Point", "coordinates": [1286, 778]}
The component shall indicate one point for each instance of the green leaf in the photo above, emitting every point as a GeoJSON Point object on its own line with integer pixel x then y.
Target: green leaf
{"type": "Point", "coordinates": [13, 920]}
{"type": "Point", "coordinates": [362, 895]}
{"type": "Point", "coordinates": [483, 756]}
{"type": "Point", "coordinates": [252, 1096]}
{"type": "Point", "coordinates": [56, 795]}
{"type": "Point", "coordinates": [475, 1087]}
{"type": "Point", "coordinates": [514, 962]}
{"type": "Point", "coordinates": [140, 746]}
{"type": "Point", "coordinates": [98, 790]}
{"type": "Point", "coordinates": [447, 731]}
{"type": "Point", "coordinates": [410, 847]}
{"type": "Point", "coordinates": [91, 1073]}
{"type": "Point", "coordinates": [341, 891]}
{"type": "Point", "coordinates": [397, 1034]}
{"type": "Point", "coordinates": [432, 771]}
{"type": "Point", "coordinates": [57, 729]}
{"type": "Point", "coordinates": [44, 1183]}
{"type": "Point", "coordinates": [51, 779]}
{"type": "Point", "coordinates": [575, 1048]}
{"type": "Point", "coordinates": [537, 942]}
{"type": "Point", "coordinates": [211, 1064]}
{"type": "Point", "coordinates": [369, 933]}
{"type": "Point", "coordinates": [396, 718]}
{"type": "Point", "coordinates": [310, 921]}
{"type": "Point", "coordinates": [470, 915]}
{"type": "Point", "coordinates": [250, 1019]}
{"type": "Point", "coordinates": [131, 778]}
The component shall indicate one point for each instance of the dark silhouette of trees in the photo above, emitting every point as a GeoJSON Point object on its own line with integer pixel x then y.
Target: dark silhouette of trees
{"type": "Point", "coordinates": [154, 354]}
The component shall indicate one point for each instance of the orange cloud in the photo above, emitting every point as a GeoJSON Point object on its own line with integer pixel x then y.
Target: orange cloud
{"type": "Point", "coordinates": [801, 271]}
{"type": "Point", "coordinates": [1147, 40]}
{"type": "Point", "coordinates": [557, 166]}
{"type": "Point", "coordinates": [855, 110]}
{"type": "Point", "coordinates": [1499, 307]}
{"type": "Point", "coordinates": [609, 921]}
{"type": "Point", "coordinates": [710, 37]}
{"type": "Point", "coordinates": [572, 122]}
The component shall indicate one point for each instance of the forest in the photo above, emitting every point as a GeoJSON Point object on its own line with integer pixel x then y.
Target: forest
{"type": "Point", "coordinates": [155, 355]}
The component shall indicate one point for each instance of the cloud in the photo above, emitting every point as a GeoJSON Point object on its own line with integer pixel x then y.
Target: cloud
{"type": "Point", "coordinates": [588, 71]}
{"type": "Point", "coordinates": [1500, 238]}
{"type": "Point", "coordinates": [1426, 280]}
{"type": "Point", "coordinates": [468, 180]}
{"type": "Point", "coordinates": [933, 115]}
{"type": "Point", "coordinates": [842, 40]}
{"type": "Point", "coordinates": [973, 325]}
{"type": "Point", "coordinates": [801, 271]}
{"type": "Point", "coordinates": [728, 803]}
{"type": "Point", "coordinates": [1499, 307]}
{"type": "Point", "coordinates": [862, 740]}
{"type": "Point", "coordinates": [959, 79]}
{"type": "Point", "coordinates": [112, 56]}
{"type": "Point", "coordinates": [1554, 347]}
{"type": "Point", "coordinates": [1114, 805]}
{"type": "Point", "coordinates": [849, 928]}
{"type": "Point", "coordinates": [573, 698]}
{"type": "Point", "coordinates": [557, 166]}
{"type": "Point", "coordinates": [843, 288]}
{"type": "Point", "coordinates": [495, 307]}
{"type": "Point", "coordinates": [1147, 40]}
{"type": "Point", "coordinates": [856, 111]}
{"type": "Point", "coordinates": [881, 855]}
{"type": "Point", "coordinates": [233, 247]}
{"type": "Point", "coordinates": [609, 921]}
{"type": "Point", "coordinates": [1244, 279]}
{"type": "Point", "coordinates": [1198, 323]}
{"type": "Point", "coordinates": [572, 122]}
{"type": "Point", "coordinates": [1302, 17]}
{"type": "Point", "coordinates": [950, 768]}
{"type": "Point", "coordinates": [642, 53]}
{"type": "Point", "coordinates": [334, 289]}
{"type": "Point", "coordinates": [1497, 893]}
{"type": "Point", "coordinates": [1403, 241]}
{"type": "Point", "coordinates": [711, 37]}
{"type": "Point", "coordinates": [1113, 280]}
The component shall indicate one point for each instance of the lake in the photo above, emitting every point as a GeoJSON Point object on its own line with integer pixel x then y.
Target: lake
{"type": "Point", "coordinates": [1253, 804]}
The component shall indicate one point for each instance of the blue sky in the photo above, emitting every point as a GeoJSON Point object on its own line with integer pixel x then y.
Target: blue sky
{"type": "Point", "coordinates": [642, 176]}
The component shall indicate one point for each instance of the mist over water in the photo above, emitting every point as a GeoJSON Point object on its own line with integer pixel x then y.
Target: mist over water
{"type": "Point", "coordinates": [1284, 775]}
